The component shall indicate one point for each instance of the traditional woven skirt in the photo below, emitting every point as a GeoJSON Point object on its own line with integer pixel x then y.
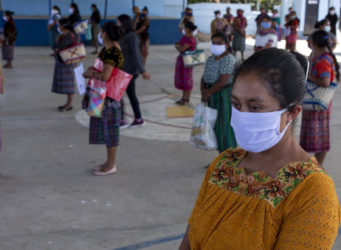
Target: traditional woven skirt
{"type": "Point", "coordinates": [8, 52]}
{"type": "Point", "coordinates": [315, 130]}
{"type": "Point", "coordinates": [106, 130]}
{"type": "Point", "coordinates": [238, 42]}
{"type": "Point", "coordinates": [63, 78]}
{"type": "Point", "coordinates": [221, 101]}
{"type": "Point", "coordinates": [183, 76]}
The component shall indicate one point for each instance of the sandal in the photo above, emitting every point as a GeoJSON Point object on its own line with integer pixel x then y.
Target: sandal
{"type": "Point", "coordinates": [64, 109]}
{"type": "Point", "coordinates": [182, 102]}
{"type": "Point", "coordinates": [100, 173]}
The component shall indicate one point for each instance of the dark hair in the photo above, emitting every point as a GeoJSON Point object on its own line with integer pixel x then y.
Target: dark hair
{"type": "Point", "coordinates": [145, 8]}
{"type": "Point", "coordinates": [318, 24]}
{"type": "Point", "coordinates": [217, 11]}
{"type": "Point", "coordinates": [113, 31]}
{"type": "Point", "coordinates": [331, 8]}
{"type": "Point", "coordinates": [75, 7]}
{"type": "Point", "coordinates": [188, 8]}
{"type": "Point", "coordinates": [94, 6]}
{"type": "Point", "coordinates": [320, 39]}
{"type": "Point", "coordinates": [127, 23]}
{"type": "Point", "coordinates": [9, 13]}
{"type": "Point", "coordinates": [57, 8]}
{"type": "Point", "coordinates": [282, 73]}
{"type": "Point", "coordinates": [190, 25]}
{"type": "Point", "coordinates": [222, 35]}
{"type": "Point", "coordinates": [65, 22]}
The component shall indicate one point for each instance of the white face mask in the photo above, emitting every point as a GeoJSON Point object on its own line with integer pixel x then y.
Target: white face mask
{"type": "Point", "coordinates": [5, 18]}
{"type": "Point", "coordinates": [218, 16]}
{"type": "Point", "coordinates": [195, 32]}
{"type": "Point", "coordinates": [54, 12]}
{"type": "Point", "coordinates": [59, 30]}
{"type": "Point", "coordinates": [183, 31]}
{"type": "Point", "coordinates": [257, 132]}
{"type": "Point", "coordinates": [332, 12]}
{"type": "Point", "coordinates": [71, 11]}
{"type": "Point", "coordinates": [327, 29]}
{"type": "Point", "coordinates": [217, 50]}
{"type": "Point", "coordinates": [100, 40]}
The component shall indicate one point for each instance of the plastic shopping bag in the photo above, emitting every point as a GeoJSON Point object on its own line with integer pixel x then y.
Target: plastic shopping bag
{"type": "Point", "coordinates": [202, 135]}
{"type": "Point", "coordinates": [96, 103]}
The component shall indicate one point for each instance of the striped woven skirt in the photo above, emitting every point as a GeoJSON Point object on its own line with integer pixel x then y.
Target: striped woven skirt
{"type": "Point", "coordinates": [63, 78]}
{"type": "Point", "coordinates": [8, 52]}
{"type": "Point", "coordinates": [315, 130]}
{"type": "Point", "coordinates": [183, 78]}
{"type": "Point", "coordinates": [106, 130]}
{"type": "Point", "coordinates": [223, 130]}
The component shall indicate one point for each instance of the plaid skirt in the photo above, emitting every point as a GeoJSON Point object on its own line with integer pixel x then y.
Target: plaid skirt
{"type": "Point", "coordinates": [315, 130]}
{"type": "Point", "coordinates": [63, 78]}
{"type": "Point", "coordinates": [8, 52]}
{"type": "Point", "coordinates": [183, 76]}
{"type": "Point", "coordinates": [106, 130]}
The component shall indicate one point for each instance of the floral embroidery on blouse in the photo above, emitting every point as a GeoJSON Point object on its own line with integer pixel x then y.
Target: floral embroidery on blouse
{"type": "Point", "coordinates": [230, 176]}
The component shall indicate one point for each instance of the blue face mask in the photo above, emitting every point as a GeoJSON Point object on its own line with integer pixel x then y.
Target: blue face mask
{"type": "Point", "coordinates": [142, 15]}
{"type": "Point", "coordinates": [265, 25]}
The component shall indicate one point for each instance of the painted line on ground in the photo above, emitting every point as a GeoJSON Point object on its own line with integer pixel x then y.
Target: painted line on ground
{"type": "Point", "coordinates": [11, 119]}
{"type": "Point", "coordinates": [150, 243]}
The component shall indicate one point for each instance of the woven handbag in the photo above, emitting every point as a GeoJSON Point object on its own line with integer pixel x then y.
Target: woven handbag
{"type": "Point", "coordinates": [193, 58]}
{"type": "Point", "coordinates": [318, 98]}
{"type": "Point", "coordinates": [73, 54]}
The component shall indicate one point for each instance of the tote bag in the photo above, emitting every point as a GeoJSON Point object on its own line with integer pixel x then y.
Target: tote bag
{"type": "Point", "coordinates": [318, 98]}
{"type": "Point", "coordinates": [193, 58]}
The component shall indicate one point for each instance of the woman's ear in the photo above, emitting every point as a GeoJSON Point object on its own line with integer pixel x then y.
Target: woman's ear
{"type": "Point", "coordinates": [293, 112]}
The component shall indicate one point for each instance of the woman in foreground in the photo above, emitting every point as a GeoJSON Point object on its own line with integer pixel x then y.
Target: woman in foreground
{"type": "Point", "coordinates": [268, 194]}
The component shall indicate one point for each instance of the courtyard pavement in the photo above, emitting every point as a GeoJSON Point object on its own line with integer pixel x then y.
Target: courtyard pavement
{"type": "Point", "coordinates": [49, 197]}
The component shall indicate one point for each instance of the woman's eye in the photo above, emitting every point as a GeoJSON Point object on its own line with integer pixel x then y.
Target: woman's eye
{"type": "Point", "coordinates": [236, 105]}
{"type": "Point", "coordinates": [255, 108]}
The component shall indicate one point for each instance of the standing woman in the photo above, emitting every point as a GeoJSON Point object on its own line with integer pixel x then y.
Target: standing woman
{"type": "Point", "coordinates": [239, 34]}
{"type": "Point", "coordinates": [52, 27]}
{"type": "Point", "coordinates": [106, 130]}
{"type": "Point", "coordinates": [184, 75]}
{"type": "Point", "coordinates": [64, 77]}
{"type": "Point", "coordinates": [333, 18]}
{"type": "Point", "coordinates": [133, 64]}
{"type": "Point", "coordinates": [216, 87]}
{"type": "Point", "coordinates": [75, 16]}
{"type": "Point", "coordinates": [142, 27]}
{"type": "Point", "coordinates": [95, 20]}
{"type": "Point", "coordinates": [10, 36]}
{"type": "Point", "coordinates": [315, 136]}
{"type": "Point", "coordinates": [293, 25]}
{"type": "Point", "coordinates": [268, 194]}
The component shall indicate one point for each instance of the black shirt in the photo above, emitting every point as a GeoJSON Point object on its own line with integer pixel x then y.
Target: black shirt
{"type": "Point", "coordinates": [333, 20]}
{"type": "Point", "coordinates": [95, 17]}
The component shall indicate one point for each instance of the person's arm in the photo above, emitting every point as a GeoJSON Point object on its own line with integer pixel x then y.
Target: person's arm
{"type": "Point", "coordinates": [311, 217]}
{"type": "Point", "coordinates": [219, 85]}
{"type": "Point", "coordinates": [324, 70]}
{"type": "Point", "coordinates": [143, 28]}
{"type": "Point", "coordinates": [185, 241]}
{"type": "Point", "coordinates": [213, 27]}
{"type": "Point", "coordinates": [323, 82]}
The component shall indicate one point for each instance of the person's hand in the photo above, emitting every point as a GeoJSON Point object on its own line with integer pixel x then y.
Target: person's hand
{"type": "Point", "coordinates": [205, 95]}
{"type": "Point", "coordinates": [146, 75]}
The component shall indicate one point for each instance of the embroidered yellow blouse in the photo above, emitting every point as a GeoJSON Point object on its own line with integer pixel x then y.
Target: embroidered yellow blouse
{"type": "Point", "coordinates": [299, 209]}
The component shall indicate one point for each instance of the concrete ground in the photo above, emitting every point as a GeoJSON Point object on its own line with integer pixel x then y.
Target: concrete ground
{"type": "Point", "coordinates": [51, 200]}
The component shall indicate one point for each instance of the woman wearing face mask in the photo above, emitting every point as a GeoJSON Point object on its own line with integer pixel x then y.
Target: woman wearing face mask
{"type": "Point", "coordinates": [325, 26]}
{"type": "Point", "coordinates": [133, 64]}
{"type": "Point", "coordinates": [219, 24]}
{"type": "Point", "coordinates": [239, 34]}
{"type": "Point", "coordinates": [10, 36]}
{"type": "Point", "coordinates": [75, 16]}
{"type": "Point", "coordinates": [216, 88]}
{"type": "Point", "coordinates": [105, 130]}
{"type": "Point", "coordinates": [64, 77]}
{"type": "Point", "coordinates": [142, 27]}
{"type": "Point", "coordinates": [188, 17]}
{"type": "Point", "coordinates": [268, 194]}
{"type": "Point", "coordinates": [52, 27]}
{"type": "Point", "coordinates": [293, 25]}
{"type": "Point", "coordinates": [266, 36]}
{"type": "Point", "coordinates": [183, 78]}
{"type": "Point", "coordinates": [333, 18]}
{"type": "Point", "coordinates": [315, 124]}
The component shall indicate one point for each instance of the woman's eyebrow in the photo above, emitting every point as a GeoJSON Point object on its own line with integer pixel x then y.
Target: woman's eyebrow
{"type": "Point", "coordinates": [252, 99]}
